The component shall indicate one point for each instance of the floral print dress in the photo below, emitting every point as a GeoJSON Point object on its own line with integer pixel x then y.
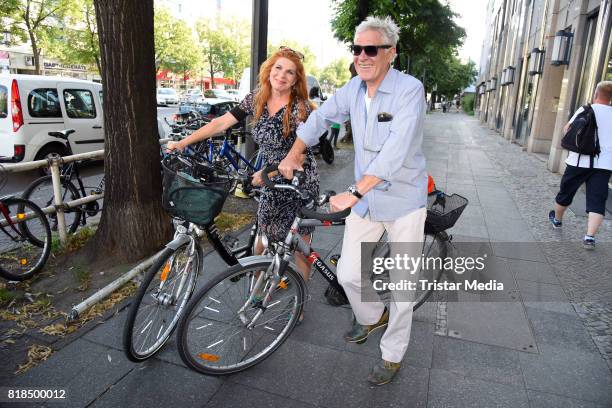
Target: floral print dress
{"type": "Point", "coordinates": [278, 208]}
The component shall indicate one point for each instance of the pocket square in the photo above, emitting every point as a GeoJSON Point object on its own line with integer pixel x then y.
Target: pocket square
{"type": "Point", "coordinates": [385, 117]}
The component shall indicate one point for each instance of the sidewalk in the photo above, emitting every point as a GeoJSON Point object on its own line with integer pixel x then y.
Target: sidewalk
{"type": "Point", "coordinates": [550, 348]}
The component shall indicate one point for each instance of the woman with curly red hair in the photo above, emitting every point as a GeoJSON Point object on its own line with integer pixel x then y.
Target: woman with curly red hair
{"type": "Point", "coordinates": [278, 105]}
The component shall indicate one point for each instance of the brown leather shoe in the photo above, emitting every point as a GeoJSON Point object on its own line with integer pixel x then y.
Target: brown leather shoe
{"type": "Point", "coordinates": [383, 372]}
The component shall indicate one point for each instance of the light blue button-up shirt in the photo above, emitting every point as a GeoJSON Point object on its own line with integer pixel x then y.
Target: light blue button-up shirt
{"type": "Point", "coordinates": [391, 151]}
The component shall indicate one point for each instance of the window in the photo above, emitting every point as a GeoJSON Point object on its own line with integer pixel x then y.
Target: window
{"type": "Point", "coordinates": [209, 93]}
{"type": "Point", "coordinates": [44, 103]}
{"type": "Point", "coordinates": [79, 104]}
{"type": "Point", "coordinates": [3, 102]}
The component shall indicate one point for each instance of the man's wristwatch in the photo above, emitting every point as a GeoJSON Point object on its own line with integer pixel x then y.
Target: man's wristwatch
{"type": "Point", "coordinates": [353, 190]}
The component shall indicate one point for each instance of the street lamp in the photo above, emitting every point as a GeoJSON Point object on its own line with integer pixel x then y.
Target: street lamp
{"type": "Point", "coordinates": [562, 48]}
{"type": "Point", "coordinates": [536, 60]}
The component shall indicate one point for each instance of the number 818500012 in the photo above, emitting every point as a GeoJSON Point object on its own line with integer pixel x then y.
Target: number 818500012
{"type": "Point", "coordinates": [8, 394]}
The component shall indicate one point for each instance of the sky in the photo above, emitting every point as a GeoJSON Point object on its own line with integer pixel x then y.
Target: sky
{"type": "Point", "coordinates": [308, 22]}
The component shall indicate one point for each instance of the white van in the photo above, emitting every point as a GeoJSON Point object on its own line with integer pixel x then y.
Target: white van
{"type": "Point", "coordinates": [33, 105]}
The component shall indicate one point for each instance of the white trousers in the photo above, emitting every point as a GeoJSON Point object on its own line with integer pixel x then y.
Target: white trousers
{"type": "Point", "coordinates": [408, 228]}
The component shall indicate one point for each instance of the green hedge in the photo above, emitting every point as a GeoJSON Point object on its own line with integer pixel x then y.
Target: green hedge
{"type": "Point", "coordinates": [467, 102]}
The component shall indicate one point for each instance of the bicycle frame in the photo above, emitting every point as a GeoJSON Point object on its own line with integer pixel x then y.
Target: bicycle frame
{"type": "Point", "coordinates": [281, 261]}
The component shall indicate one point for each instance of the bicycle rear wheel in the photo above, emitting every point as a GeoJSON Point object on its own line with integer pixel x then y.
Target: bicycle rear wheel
{"type": "Point", "coordinates": [25, 241]}
{"type": "Point", "coordinates": [213, 338]}
{"type": "Point", "coordinates": [160, 301]}
{"type": "Point", "coordinates": [40, 192]}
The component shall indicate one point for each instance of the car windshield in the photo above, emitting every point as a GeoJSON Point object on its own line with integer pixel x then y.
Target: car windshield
{"type": "Point", "coordinates": [166, 91]}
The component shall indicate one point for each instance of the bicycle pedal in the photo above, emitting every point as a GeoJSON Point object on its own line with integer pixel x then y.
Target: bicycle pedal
{"type": "Point", "coordinates": [334, 259]}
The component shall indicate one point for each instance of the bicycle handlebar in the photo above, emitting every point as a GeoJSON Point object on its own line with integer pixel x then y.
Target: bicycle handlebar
{"type": "Point", "coordinates": [295, 186]}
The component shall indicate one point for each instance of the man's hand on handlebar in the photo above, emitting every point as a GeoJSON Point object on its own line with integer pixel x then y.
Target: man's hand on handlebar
{"type": "Point", "coordinates": [342, 201]}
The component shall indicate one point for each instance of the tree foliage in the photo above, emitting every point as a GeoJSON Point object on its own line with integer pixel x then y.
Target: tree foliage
{"type": "Point", "coordinates": [74, 38]}
{"type": "Point", "coordinates": [429, 37]}
{"type": "Point", "coordinates": [309, 61]}
{"type": "Point", "coordinates": [31, 19]}
{"type": "Point", "coordinates": [175, 48]}
{"type": "Point", "coordinates": [335, 74]}
{"type": "Point", "coordinates": [224, 45]}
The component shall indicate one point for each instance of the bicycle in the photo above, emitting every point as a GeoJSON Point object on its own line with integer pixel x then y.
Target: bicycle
{"type": "Point", "coordinates": [220, 150]}
{"type": "Point", "coordinates": [40, 191]}
{"type": "Point", "coordinates": [193, 194]}
{"type": "Point", "coordinates": [25, 241]}
{"type": "Point", "coordinates": [241, 316]}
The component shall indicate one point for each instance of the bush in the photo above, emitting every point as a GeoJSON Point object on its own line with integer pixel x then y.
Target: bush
{"type": "Point", "coordinates": [467, 102]}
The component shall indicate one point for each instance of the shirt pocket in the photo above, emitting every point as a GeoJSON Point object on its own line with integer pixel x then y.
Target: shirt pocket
{"type": "Point", "coordinates": [375, 140]}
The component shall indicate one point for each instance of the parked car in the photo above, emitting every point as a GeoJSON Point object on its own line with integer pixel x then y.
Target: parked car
{"type": "Point", "coordinates": [211, 108]}
{"type": "Point", "coordinates": [193, 96]}
{"type": "Point", "coordinates": [217, 94]}
{"type": "Point", "coordinates": [234, 93]}
{"type": "Point", "coordinates": [31, 106]}
{"type": "Point", "coordinates": [167, 96]}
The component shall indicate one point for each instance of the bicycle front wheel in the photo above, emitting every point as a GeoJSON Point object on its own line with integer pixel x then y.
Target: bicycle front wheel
{"type": "Point", "coordinates": [160, 301]}
{"type": "Point", "coordinates": [219, 334]}
{"type": "Point", "coordinates": [25, 239]}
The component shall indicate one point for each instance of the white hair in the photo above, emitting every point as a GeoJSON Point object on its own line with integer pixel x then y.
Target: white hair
{"type": "Point", "coordinates": [385, 26]}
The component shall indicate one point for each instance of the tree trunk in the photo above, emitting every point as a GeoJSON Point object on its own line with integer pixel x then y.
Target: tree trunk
{"type": "Point", "coordinates": [35, 51]}
{"type": "Point", "coordinates": [133, 223]}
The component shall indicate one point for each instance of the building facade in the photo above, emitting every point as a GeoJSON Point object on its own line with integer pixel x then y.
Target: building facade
{"type": "Point", "coordinates": [540, 61]}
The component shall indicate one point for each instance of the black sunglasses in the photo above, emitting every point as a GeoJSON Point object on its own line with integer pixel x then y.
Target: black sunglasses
{"type": "Point", "coordinates": [370, 50]}
{"type": "Point", "coordinates": [299, 54]}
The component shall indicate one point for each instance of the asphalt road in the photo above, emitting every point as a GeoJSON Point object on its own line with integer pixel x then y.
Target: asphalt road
{"type": "Point", "coordinates": [91, 172]}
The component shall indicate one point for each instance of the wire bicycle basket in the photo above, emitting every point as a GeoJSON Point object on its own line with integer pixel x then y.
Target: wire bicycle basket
{"type": "Point", "coordinates": [443, 211]}
{"type": "Point", "coordinates": [192, 191]}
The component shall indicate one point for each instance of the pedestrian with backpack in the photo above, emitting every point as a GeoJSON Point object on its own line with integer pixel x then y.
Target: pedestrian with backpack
{"type": "Point", "coordinates": [588, 137]}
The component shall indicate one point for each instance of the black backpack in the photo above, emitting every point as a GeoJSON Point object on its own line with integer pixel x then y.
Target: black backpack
{"type": "Point", "coordinates": [582, 137]}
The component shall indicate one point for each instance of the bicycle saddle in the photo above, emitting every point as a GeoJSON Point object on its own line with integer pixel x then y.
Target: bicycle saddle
{"type": "Point", "coordinates": [62, 134]}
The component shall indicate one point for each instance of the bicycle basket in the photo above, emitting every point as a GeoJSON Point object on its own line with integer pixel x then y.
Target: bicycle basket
{"type": "Point", "coordinates": [443, 211]}
{"type": "Point", "coordinates": [198, 200]}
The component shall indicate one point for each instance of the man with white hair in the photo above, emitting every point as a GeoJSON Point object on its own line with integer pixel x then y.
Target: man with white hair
{"type": "Point", "coordinates": [387, 110]}
{"type": "Point", "coordinates": [593, 171]}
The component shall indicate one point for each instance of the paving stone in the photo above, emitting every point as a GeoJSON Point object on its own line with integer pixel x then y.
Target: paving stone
{"type": "Point", "coordinates": [545, 400]}
{"type": "Point", "coordinates": [323, 325]}
{"type": "Point", "coordinates": [293, 371]}
{"type": "Point", "coordinates": [110, 332]}
{"type": "Point", "coordinates": [533, 271]}
{"type": "Point", "coordinates": [447, 389]}
{"type": "Point", "coordinates": [528, 251]}
{"type": "Point", "coordinates": [158, 384]}
{"type": "Point", "coordinates": [475, 360]}
{"type": "Point", "coordinates": [420, 346]}
{"type": "Point", "coordinates": [232, 395]}
{"type": "Point", "coordinates": [560, 330]}
{"type": "Point", "coordinates": [501, 324]}
{"type": "Point", "coordinates": [570, 373]}
{"type": "Point", "coordinates": [84, 369]}
{"type": "Point", "coordinates": [349, 387]}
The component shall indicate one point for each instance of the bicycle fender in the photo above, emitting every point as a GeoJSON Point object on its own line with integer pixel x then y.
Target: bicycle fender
{"type": "Point", "coordinates": [178, 241]}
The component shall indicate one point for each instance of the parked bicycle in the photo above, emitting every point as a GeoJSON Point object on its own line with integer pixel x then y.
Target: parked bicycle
{"type": "Point", "coordinates": [241, 316]}
{"type": "Point", "coordinates": [25, 241]}
{"type": "Point", "coordinates": [40, 191]}
{"type": "Point", "coordinates": [193, 194]}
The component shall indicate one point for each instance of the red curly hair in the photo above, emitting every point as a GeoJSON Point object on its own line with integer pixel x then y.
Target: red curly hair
{"type": "Point", "coordinates": [299, 91]}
